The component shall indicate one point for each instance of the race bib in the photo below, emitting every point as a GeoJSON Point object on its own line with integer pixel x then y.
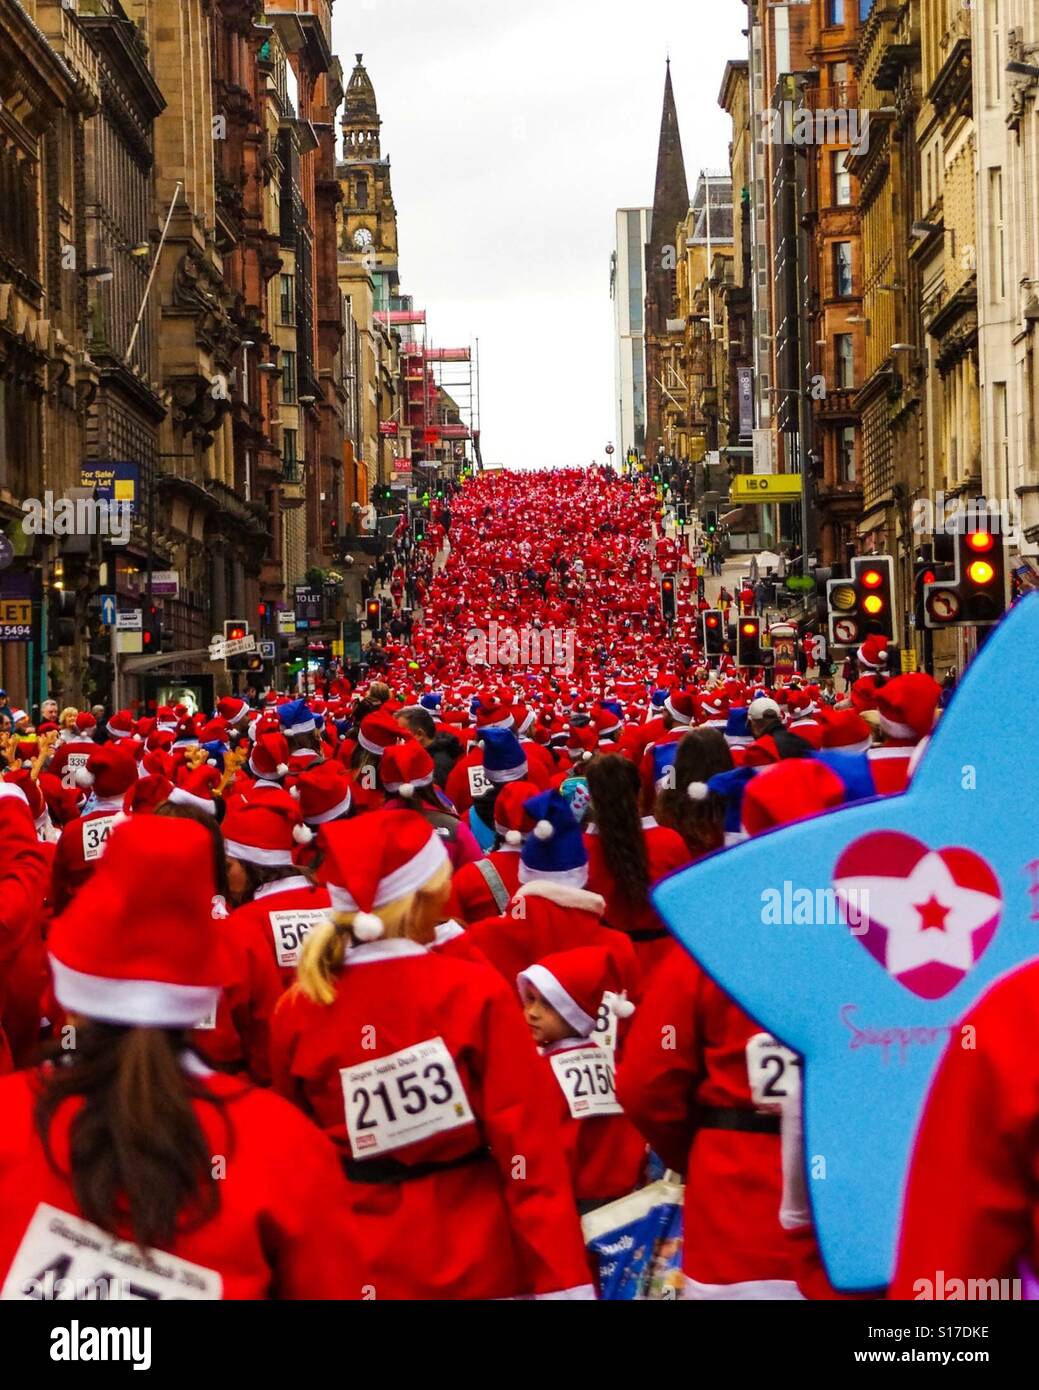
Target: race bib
{"type": "Point", "coordinates": [586, 1079]}
{"type": "Point", "coordinates": [773, 1072]}
{"type": "Point", "coordinates": [290, 927]}
{"type": "Point", "coordinates": [95, 836]}
{"type": "Point", "coordinates": [73, 762]}
{"type": "Point", "coordinates": [605, 1031]}
{"type": "Point", "coordinates": [63, 1258]}
{"type": "Point", "coordinates": [397, 1100]}
{"type": "Point", "coordinates": [478, 783]}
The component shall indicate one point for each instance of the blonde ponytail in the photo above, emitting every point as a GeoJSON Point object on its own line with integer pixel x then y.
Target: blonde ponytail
{"type": "Point", "coordinates": [325, 948]}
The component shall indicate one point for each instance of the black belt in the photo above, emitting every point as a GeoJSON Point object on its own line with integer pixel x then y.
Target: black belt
{"type": "Point", "coordinates": [741, 1121]}
{"type": "Point", "coordinates": [392, 1172]}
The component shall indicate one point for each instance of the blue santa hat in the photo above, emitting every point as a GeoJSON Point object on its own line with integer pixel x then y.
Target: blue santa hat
{"type": "Point", "coordinates": [431, 701]}
{"type": "Point", "coordinates": [555, 850]}
{"type": "Point", "coordinates": [658, 697]}
{"type": "Point", "coordinates": [503, 757]}
{"type": "Point", "coordinates": [853, 769]}
{"type": "Point", "coordinates": [737, 730]}
{"type": "Point", "coordinates": [730, 786]}
{"type": "Point", "coordinates": [296, 718]}
{"type": "Point", "coordinates": [664, 755]}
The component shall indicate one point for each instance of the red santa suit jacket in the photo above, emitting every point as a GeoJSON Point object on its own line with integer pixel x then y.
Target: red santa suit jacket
{"type": "Point", "coordinates": [889, 764]}
{"type": "Point", "coordinates": [972, 1200]}
{"type": "Point", "coordinates": [605, 1152]}
{"type": "Point", "coordinates": [237, 1036]}
{"type": "Point", "coordinates": [734, 1245]}
{"type": "Point", "coordinates": [281, 1229]}
{"type": "Point", "coordinates": [420, 1044]}
{"type": "Point", "coordinates": [23, 886]}
{"type": "Point", "coordinates": [278, 921]}
{"type": "Point", "coordinates": [472, 899]}
{"type": "Point", "coordinates": [666, 851]}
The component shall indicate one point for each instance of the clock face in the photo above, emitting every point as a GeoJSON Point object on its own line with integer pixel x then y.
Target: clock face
{"type": "Point", "coordinates": [362, 238]}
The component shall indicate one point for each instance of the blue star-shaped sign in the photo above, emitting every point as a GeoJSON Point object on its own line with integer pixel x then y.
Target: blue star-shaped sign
{"type": "Point", "coordinates": [861, 938]}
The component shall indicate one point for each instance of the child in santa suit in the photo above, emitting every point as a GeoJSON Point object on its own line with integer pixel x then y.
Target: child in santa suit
{"type": "Point", "coordinates": [561, 999]}
{"type": "Point", "coordinates": [121, 1139]}
{"type": "Point", "coordinates": [485, 888]}
{"type": "Point", "coordinates": [972, 1199]}
{"type": "Point", "coordinates": [419, 1067]}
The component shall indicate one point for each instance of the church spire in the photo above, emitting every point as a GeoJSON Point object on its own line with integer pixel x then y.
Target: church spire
{"type": "Point", "coordinates": [671, 192]}
{"type": "Point", "coordinates": [361, 122]}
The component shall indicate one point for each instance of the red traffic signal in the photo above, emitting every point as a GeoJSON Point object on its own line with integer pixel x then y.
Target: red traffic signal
{"type": "Point", "coordinates": [748, 642]}
{"type": "Point", "coordinates": [373, 614]}
{"type": "Point", "coordinates": [235, 629]}
{"type": "Point", "coordinates": [668, 599]}
{"type": "Point", "coordinates": [714, 632]}
{"type": "Point", "coordinates": [982, 574]}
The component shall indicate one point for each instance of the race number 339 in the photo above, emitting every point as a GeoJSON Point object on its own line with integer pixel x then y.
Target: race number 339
{"type": "Point", "coordinates": [291, 928]}
{"type": "Point", "coordinates": [95, 836]}
{"type": "Point", "coordinates": [63, 1258]}
{"type": "Point", "coordinates": [586, 1080]}
{"type": "Point", "coordinates": [773, 1072]}
{"type": "Point", "coordinates": [397, 1100]}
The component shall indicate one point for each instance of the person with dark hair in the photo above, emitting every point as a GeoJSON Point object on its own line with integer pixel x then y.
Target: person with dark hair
{"type": "Point", "coordinates": [408, 779]}
{"type": "Point", "coordinates": [444, 748]}
{"type": "Point", "coordinates": [700, 820]}
{"type": "Point", "coordinates": [189, 1184]}
{"type": "Point", "coordinates": [627, 855]}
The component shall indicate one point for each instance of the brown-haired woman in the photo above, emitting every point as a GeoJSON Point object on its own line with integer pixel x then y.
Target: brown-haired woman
{"type": "Point", "coordinates": [698, 818]}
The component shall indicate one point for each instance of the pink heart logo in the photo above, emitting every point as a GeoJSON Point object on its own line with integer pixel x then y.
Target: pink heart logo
{"type": "Point", "coordinates": [926, 915]}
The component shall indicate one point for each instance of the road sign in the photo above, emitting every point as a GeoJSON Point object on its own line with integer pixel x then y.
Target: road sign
{"type": "Point", "coordinates": [165, 584]}
{"type": "Point", "coordinates": [129, 620]}
{"type": "Point", "coordinates": [108, 610]}
{"type": "Point", "coordinates": [266, 650]}
{"type": "Point", "coordinates": [610, 449]}
{"type": "Point", "coordinates": [287, 622]}
{"type": "Point", "coordinates": [240, 646]}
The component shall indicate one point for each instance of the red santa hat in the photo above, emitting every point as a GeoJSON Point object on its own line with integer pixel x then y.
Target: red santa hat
{"type": "Point", "coordinates": [63, 803]}
{"type": "Point", "coordinates": [512, 821]}
{"type": "Point", "coordinates": [405, 768]}
{"type": "Point", "coordinates": [680, 706]}
{"type": "Point", "coordinates": [576, 982]}
{"type": "Point", "coordinates": [195, 788]}
{"type": "Point", "coordinates": [873, 653]}
{"type": "Point", "coordinates": [121, 724]}
{"type": "Point", "coordinates": [378, 732]}
{"type": "Point", "coordinates": [111, 770]}
{"type": "Point", "coordinates": [846, 731]}
{"type": "Point", "coordinates": [85, 725]}
{"type": "Point", "coordinates": [582, 743]}
{"type": "Point", "coordinates": [266, 832]}
{"type": "Point", "coordinates": [166, 719]}
{"type": "Point", "coordinates": [323, 792]}
{"type": "Point", "coordinates": [492, 712]}
{"type": "Point", "coordinates": [906, 705]}
{"type": "Point", "coordinates": [375, 860]}
{"type": "Point", "coordinates": [136, 947]}
{"type": "Point", "coordinates": [790, 791]}
{"type": "Point", "coordinates": [712, 708]}
{"type": "Point", "coordinates": [269, 758]}
{"type": "Point", "coordinates": [147, 794]}
{"type": "Point", "coordinates": [22, 778]}
{"type": "Point", "coordinates": [232, 710]}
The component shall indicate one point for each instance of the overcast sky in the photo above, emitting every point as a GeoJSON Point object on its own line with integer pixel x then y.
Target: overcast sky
{"type": "Point", "coordinates": [515, 130]}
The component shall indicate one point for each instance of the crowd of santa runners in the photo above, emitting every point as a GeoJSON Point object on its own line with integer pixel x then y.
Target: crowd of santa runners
{"type": "Point", "coordinates": [363, 994]}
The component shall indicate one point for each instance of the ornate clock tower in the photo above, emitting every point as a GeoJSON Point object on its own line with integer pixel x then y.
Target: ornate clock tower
{"type": "Point", "coordinates": [369, 217]}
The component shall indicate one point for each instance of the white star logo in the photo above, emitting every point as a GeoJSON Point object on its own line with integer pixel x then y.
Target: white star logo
{"type": "Point", "coordinates": [897, 903]}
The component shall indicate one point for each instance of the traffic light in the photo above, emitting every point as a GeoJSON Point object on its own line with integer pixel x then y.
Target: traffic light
{"type": "Point", "coordinates": [711, 522]}
{"type": "Point", "coordinates": [235, 629]}
{"type": "Point", "coordinates": [668, 598]}
{"type": "Point", "coordinates": [748, 642]}
{"type": "Point", "coordinates": [714, 632]}
{"type": "Point", "coordinates": [151, 630]}
{"type": "Point", "coordinates": [976, 594]}
{"type": "Point", "coordinates": [420, 528]}
{"type": "Point", "coordinates": [61, 619]}
{"type": "Point", "coordinates": [864, 604]}
{"type": "Point", "coordinates": [373, 614]}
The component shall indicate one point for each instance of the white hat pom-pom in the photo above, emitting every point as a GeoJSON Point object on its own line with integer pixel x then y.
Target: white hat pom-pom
{"type": "Point", "coordinates": [698, 791]}
{"type": "Point", "coordinates": [544, 830]}
{"type": "Point", "coordinates": [513, 837]}
{"type": "Point", "coordinates": [211, 762]}
{"type": "Point", "coordinates": [368, 927]}
{"type": "Point", "coordinates": [586, 757]}
{"type": "Point", "coordinates": [84, 777]}
{"type": "Point", "coordinates": [302, 834]}
{"type": "Point", "coordinates": [619, 1004]}
{"type": "Point", "coordinates": [282, 769]}
{"type": "Point", "coordinates": [407, 790]}
{"type": "Point", "coordinates": [294, 793]}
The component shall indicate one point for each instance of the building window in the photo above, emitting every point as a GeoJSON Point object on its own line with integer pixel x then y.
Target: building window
{"type": "Point", "coordinates": [841, 179]}
{"type": "Point", "coordinates": [842, 281]}
{"type": "Point", "coordinates": [844, 354]}
{"type": "Point", "coordinates": [846, 463]}
{"type": "Point", "coordinates": [361, 191]}
{"type": "Point", "coordinates": [289, 457]}
{"type": "Point", "coordinates": [1001, 432]}
{"type": "Point", "coordinates": [834, 12]}
{"type": "Point", "coordinates": [288, 378]}
{"type": "Point", "coordinates": [838, 76]}
{"type": "Point", "coordinates": [287, 304]}
{"type": "Point", "coordinates": [997, 239]}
